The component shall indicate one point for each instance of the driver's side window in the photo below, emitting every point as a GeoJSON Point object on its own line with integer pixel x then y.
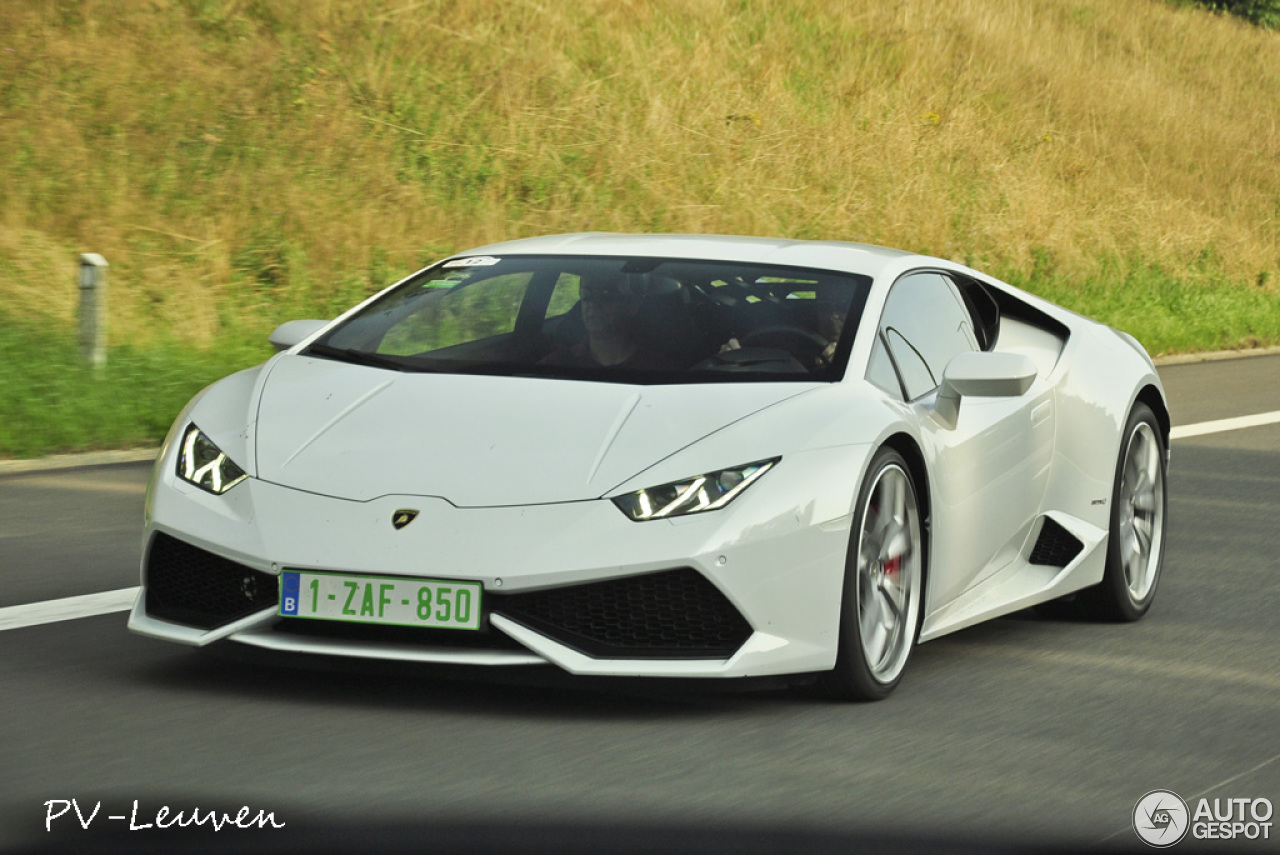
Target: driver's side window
{"type": "Point", "coordinates": [924, 325]}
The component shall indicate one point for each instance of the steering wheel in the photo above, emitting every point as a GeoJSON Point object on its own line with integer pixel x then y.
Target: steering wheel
{"type": "Point", "coordinates": [805, 345]}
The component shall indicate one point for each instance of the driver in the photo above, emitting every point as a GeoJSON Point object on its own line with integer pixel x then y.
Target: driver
{"type": "Point", "coordinates": [609, 313]}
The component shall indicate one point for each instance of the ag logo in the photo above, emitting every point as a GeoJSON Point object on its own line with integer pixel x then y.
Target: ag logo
{"type": "Point", "coordinates": [403, 517]}
{"type": "Point", "coordinates": [1161, 818]}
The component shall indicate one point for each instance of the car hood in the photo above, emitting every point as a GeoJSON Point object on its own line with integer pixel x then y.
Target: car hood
{"type": "Point", "coordinates": [480, 441]}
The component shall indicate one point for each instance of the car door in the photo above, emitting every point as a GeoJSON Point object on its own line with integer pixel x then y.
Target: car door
{"type": "Point", "coordinates": [989, 472]}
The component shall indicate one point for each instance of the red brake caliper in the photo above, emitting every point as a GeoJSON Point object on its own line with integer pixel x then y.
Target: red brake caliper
{"type": "Point", "coordinates": [890, 567]}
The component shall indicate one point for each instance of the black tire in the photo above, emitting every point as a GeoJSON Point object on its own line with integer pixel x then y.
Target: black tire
{"type": "Point", "coordinates": [1139, 499]}
{"type": "Point", "coordinates": [883, 579]}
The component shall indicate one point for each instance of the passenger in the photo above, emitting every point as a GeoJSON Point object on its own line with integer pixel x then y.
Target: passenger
{"type": "Point", "coordinates": [831, 305]}
{"type": "Point", "coordinates": [829, 310]}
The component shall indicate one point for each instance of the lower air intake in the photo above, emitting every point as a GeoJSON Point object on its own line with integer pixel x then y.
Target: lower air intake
{"type": "Point", "coordinates": [675, 614]}
{"type": "Point", "coordinates": [190, 586]}
{"type": "Point", "coordinates": [1055, 547]}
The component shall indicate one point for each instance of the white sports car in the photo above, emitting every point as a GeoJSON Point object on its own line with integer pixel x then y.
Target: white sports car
{"type": "Point", "coordinates": [667, 456]}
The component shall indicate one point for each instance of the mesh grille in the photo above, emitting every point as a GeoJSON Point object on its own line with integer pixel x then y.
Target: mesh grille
{"type": "Point", "coordinates": [1055, 547]}
{"type": "Point", "coordinates": [187, 585]}
{"type": "Point", "coordinates": [676, 614]}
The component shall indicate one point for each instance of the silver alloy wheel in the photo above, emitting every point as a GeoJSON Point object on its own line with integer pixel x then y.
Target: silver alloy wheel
{"type": "Point", "coordinates": [889, 563]}
{"type": "Point", "coordinates": [1141, 511]}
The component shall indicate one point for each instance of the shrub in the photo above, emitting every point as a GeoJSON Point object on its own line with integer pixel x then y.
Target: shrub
{"type": "Point", "coordinates": [1265, 13]}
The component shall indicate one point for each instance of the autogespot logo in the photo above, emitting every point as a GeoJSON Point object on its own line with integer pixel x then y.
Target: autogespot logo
{"type": "Point", "coordinates": [1161, 818]}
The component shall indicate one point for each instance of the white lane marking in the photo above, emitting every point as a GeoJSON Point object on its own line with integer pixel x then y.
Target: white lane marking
{"type": "Point", "coordinates": [68, 608]}
{"type": "Point", "coordinates": [1220, 425]}
{"type": "Point", "coordinates": [1174, 671]}
{"type": "Point", "coordinates": [62, 482]}
{"type": "Point", "coordinates": [1202, 794]}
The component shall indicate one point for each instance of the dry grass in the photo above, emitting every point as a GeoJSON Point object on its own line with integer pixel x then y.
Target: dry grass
{"type": "Point", "coordinates": [238, 161]}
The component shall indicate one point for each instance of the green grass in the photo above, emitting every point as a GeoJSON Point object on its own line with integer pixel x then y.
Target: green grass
{"type": "Point", "coordinates": [1170, 315]}
{"type": "Point", "coordinates": [58, 403]}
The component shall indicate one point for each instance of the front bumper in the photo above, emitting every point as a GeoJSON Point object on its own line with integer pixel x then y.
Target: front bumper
{"type": "Point", "coordinates": [750, 590]}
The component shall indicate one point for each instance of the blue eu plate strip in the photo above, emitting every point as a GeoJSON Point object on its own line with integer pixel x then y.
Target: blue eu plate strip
{"type": "Point", "coordinates": [289, 594]}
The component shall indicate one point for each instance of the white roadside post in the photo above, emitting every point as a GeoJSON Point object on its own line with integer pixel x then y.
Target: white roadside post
{"type": "Point", "coordinates": [93, 309]}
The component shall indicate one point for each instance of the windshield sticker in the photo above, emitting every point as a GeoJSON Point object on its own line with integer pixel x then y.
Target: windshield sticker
{"type": "Point", "coordinates": [449, 280]}
{"type": "Point", "coordinates": [474, 261]}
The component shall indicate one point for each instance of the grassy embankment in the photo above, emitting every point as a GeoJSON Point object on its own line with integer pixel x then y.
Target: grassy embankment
{"type": "Point", "coordinates": [243, 162]}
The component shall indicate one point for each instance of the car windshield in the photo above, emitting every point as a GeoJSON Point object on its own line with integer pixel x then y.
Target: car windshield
{"type": "Point", "coordinates": [627, 320]}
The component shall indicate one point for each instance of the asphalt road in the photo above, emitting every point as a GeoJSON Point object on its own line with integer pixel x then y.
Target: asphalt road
{"type": "Point", "coordinates": [1025, 731]}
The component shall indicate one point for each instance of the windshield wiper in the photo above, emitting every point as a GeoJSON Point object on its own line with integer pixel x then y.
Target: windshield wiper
{"type": "Point", "coordinates": [497, 369]}
{"type": "Point", "coordinates": [359, 357]}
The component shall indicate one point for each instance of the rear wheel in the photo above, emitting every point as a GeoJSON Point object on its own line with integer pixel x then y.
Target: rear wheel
{"type": "Point", "coordinates": [1135, 547]}
{"type": "Point", "coordinates": [883, 585]}
{"type": "Point", "coordinates": [1135, 543]}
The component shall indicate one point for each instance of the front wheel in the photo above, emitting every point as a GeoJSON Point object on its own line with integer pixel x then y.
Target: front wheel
{"type": "Point", "coordinates": [883, 585]}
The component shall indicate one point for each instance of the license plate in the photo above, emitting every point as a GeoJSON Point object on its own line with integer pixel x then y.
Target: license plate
{"type": "Point", "coordinates": [384, 600]}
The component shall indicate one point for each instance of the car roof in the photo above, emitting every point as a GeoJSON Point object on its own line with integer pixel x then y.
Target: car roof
{"type": "Point", "coordinates": [828, 255]}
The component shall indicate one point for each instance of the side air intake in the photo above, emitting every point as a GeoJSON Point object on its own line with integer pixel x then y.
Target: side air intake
{"type": "Point", "coordinates": [1055, 547]}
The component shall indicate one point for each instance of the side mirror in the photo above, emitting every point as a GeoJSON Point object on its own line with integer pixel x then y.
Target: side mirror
{"type": "Point", "coordinates": [292, 332]}
{"type": "Point", "coordinates": [981, 375]}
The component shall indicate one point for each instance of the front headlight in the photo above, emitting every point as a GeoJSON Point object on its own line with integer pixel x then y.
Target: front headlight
{"type": "Point", "coordinates": [202, 463]}
{"type": "Point", "coordinates": [693, 495]}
